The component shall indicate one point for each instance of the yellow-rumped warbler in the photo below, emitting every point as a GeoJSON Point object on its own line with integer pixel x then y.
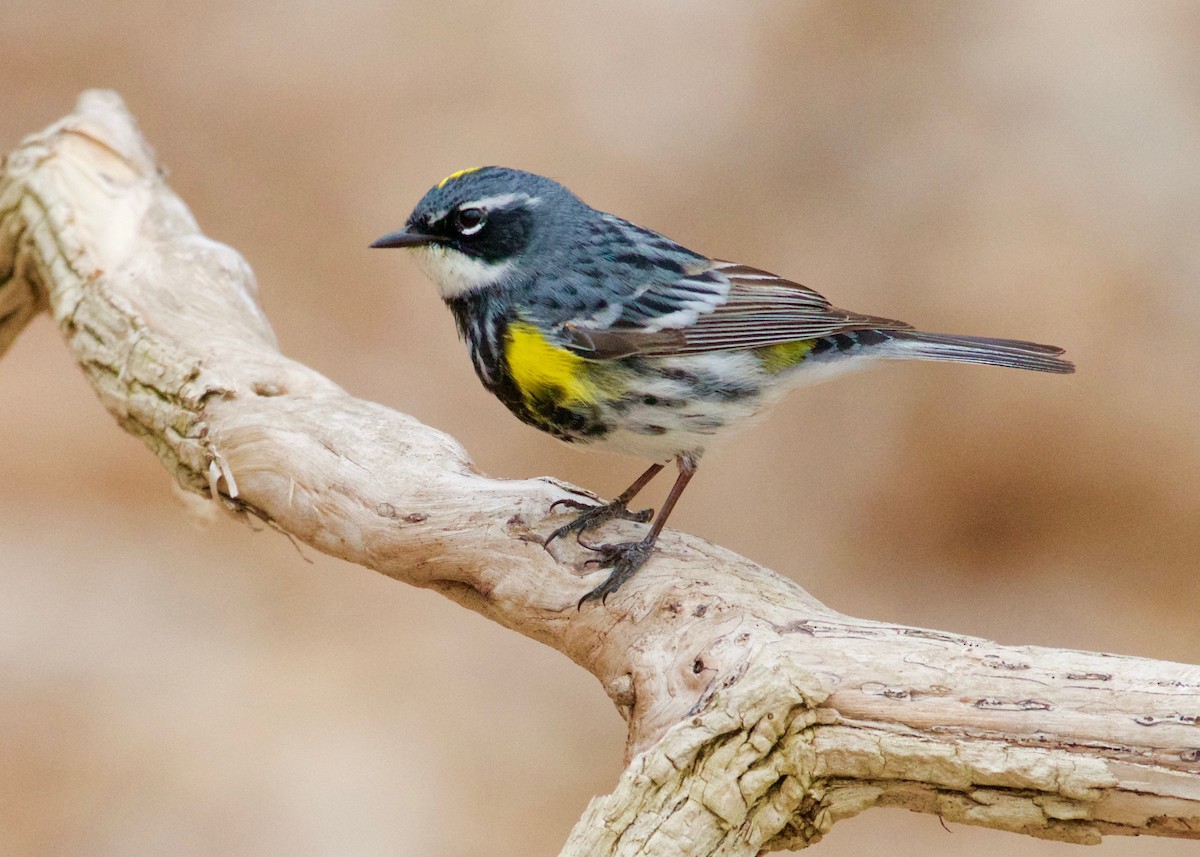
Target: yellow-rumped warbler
{"type": "Point", "coordinates": [601, 332]}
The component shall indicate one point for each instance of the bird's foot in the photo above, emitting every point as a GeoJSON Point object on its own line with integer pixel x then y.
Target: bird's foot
{"type": "Point", "coordinates": [593, 516]}
{"type": "Point", "coordinates": [624, 559]}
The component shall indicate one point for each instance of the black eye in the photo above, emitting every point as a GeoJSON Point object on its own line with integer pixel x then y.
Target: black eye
{"type": "Point", "coordinates": [468, 221]}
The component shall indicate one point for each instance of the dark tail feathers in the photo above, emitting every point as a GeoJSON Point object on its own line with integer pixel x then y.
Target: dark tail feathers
{"type": "Point", "coordinates": [916, 345]}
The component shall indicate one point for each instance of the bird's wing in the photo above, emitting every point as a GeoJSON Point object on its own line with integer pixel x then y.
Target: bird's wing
{"type": "Point", "coordinates": [725, 306]}
{"type": "Point", "coordinates": [622, 277]}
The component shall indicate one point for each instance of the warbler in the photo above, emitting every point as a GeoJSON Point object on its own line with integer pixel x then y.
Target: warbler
{"type": "Point", "coordinates": [608, 334]}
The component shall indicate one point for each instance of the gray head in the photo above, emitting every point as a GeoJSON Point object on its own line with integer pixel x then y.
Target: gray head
{"type": "Point", "coordinates": [474, 226]}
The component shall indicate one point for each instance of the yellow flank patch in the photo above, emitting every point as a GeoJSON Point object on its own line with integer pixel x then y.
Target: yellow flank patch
{"type": "Point", "coordinates": [776, 358]}
{"type": "Point", "coordinates": [542, 370]}
{"type": "Point", "coordinates": [455, 175]}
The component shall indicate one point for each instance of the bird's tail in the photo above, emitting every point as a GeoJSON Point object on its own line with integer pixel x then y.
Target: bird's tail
{"type": "Point", "coordinates": [917, 345]}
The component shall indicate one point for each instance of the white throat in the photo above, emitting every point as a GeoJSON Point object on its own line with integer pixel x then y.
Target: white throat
{"type": "Point", "coordinates": [456, 273]}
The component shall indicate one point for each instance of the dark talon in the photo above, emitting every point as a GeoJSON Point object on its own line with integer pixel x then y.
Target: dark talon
{"type": "Point", "coordinates": [571, 504]}
{"type": "Point", "coordinates": [625, 559]}
{"type": "Point", "coordinates": [593, 516]}
{"type": "Point", "coordinates": [594, 548]}
{"type": "Point", "coordinates": [618, 508]}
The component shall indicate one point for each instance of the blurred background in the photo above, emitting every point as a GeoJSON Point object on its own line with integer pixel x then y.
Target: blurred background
{"type": "Point", "coordinates": [1027, 170]}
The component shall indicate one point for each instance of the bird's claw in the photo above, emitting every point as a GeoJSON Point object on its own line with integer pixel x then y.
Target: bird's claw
{"type": "Point", "coordinates": [593, 515]}
{"type": "Point", "coordinates": [624, 559]}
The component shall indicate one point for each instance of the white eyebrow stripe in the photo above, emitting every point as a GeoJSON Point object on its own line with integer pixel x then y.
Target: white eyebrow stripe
{"type": "Point", "coordinates": [502, 200]}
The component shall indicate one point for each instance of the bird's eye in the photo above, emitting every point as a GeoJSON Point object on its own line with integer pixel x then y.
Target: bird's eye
{"type": "Point", "coordinates": [468, 221]}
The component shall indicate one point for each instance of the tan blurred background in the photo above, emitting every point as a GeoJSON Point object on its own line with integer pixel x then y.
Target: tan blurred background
{"type": "Point", "coordinates": [1028, 170]}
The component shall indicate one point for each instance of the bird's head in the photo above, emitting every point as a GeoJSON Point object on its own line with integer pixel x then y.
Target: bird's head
{"type": "Point", "coordinates": [474, 228]}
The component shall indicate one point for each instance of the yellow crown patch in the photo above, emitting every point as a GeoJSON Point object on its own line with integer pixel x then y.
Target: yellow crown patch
{"type": "Point", "coordinates": [457, 174]}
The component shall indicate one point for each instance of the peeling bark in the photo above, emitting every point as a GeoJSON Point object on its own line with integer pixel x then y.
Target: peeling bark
{"type": "Point", "coordinates": [757, 717]}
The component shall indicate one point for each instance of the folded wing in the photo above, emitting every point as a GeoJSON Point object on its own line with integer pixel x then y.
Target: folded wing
{"type": "Point", "coordinates": [756, 309]}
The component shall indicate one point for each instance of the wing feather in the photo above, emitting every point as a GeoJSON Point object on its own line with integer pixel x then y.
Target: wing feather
{"type": "Point", "coordinates": [729, 306]}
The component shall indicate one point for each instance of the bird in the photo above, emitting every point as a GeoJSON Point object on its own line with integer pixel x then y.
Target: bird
{"type": "Point", "coordinates": [607, 334]}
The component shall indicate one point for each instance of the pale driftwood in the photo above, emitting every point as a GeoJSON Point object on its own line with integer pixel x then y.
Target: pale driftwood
{"type": "Point", "coordinates": [757, 717]}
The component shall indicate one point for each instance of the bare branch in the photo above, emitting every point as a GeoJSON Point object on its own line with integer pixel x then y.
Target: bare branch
{"type": "Point", "coordinates": [757, 717]}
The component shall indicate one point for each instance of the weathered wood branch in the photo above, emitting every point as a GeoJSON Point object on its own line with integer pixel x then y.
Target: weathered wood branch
{"type": "Point", "coordinates": [757, 717]}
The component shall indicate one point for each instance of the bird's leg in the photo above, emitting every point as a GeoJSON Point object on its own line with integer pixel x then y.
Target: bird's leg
{"type": "Point", "coordinates": [592, 516]}
{"type": "Point", "coordinates": [627, 557]}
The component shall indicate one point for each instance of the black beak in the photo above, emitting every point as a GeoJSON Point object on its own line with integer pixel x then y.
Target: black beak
{"type": "Point", "coordinates": [403, 239]}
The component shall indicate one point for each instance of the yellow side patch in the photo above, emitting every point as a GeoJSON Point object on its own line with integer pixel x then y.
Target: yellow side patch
{"type": "Point", "coordinates": [457, 174]}
{"type": "Point", "coordinates": [776, 358]}
{"type": "Point", "coordinates": [542, 370]}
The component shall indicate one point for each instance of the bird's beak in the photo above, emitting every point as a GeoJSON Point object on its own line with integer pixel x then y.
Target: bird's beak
{"type": "Point", "coordinates": [403, 238]}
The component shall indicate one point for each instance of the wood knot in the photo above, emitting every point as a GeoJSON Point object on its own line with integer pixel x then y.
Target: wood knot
{"type": "Point", "coordinates": [268, 389]}
{"type": "Point", "coordinates": [620, 691]}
